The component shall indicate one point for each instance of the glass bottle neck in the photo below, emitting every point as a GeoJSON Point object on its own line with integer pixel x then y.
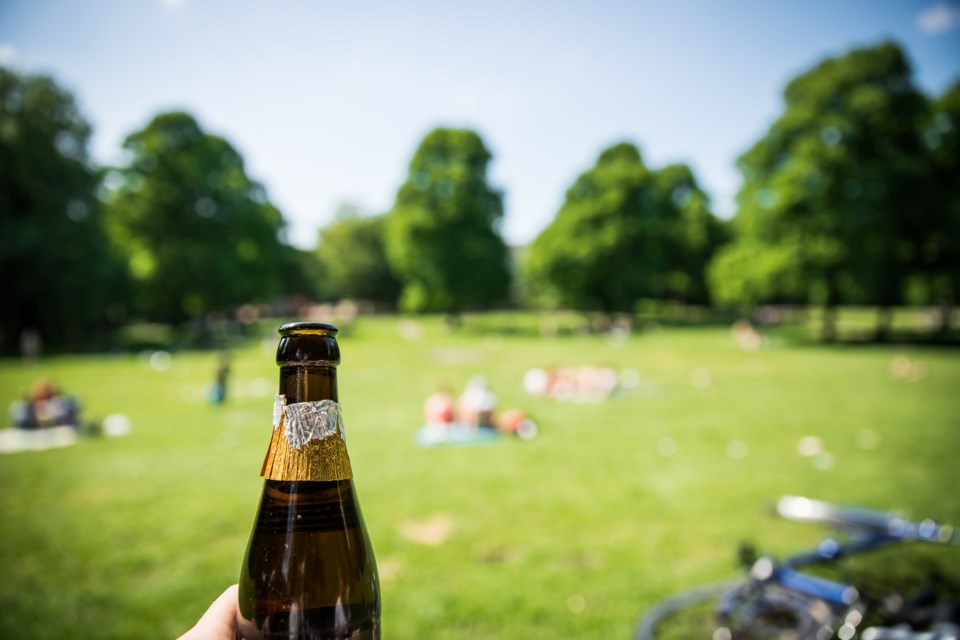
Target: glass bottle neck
{"type": "Point", "coordinates": [308, 383]}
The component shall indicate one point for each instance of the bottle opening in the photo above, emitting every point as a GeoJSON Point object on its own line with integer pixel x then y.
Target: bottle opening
{"type": "Point", "coordinates": [308, 343]}
{"type": "Point", "coordinates": [308, 328]}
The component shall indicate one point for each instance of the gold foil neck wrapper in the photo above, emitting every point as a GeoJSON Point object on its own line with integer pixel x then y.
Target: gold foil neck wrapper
{"type": "Point", "coordinates": [308, 443]}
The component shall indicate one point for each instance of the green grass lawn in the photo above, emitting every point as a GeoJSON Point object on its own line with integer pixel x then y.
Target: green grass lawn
{"type": "Point", "coordinates": [572, 535]}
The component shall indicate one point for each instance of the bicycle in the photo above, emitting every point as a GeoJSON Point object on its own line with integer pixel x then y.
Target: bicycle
{"type": "Point", "coordinates": [782, 601]}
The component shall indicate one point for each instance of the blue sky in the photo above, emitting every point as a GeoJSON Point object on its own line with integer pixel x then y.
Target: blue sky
{"type": "Point", "coordinates": [327, 101]}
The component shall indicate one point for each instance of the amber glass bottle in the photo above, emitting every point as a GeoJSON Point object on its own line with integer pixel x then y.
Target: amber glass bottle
{"type": "Point", "coordinates": [309, 571]}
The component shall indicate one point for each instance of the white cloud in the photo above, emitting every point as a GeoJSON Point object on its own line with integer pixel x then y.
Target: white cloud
{"type": "Point", "coordinates": [172, 5]}
{"type": "Point", "coordinates": [7, 54]}
{"type": "Point", "coordinates": [939, 18]}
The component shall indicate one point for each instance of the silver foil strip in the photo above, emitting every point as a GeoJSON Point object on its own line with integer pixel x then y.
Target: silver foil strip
{"type": "Point", "coordinates": [279, 401]}
{"type": "Point", "coordinates": [306, 421]}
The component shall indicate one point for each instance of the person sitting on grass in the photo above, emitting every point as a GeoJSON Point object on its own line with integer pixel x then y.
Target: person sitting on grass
{"type": "Point", "coordinates": [45, 406]}
{"type": "Point", "coordinates": [439, 409]}
{"type": "Point", "coordinates": [477, 404]}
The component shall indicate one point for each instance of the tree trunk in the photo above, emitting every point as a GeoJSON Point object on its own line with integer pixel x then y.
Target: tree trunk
{"type": "Point", "coordinates": [946, 314]}
{"type": "Point", "coordinates": [828, 323]}
{"type": "Point", "coordinates": [884, 323]}
{"type": "Point", "coordinates": [453, 320]}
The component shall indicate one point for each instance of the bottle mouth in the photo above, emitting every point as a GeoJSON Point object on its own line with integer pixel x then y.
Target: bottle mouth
{"type": "Point", "coordinates": [308, 329]}
{"type": "Point", "coordinates": [305, 344]}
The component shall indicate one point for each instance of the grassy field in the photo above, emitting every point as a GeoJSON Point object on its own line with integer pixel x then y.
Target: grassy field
{"type": "Point", "coordinates": [570, 536]}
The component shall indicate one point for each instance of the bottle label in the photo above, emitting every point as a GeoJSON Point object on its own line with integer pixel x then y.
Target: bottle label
{"type": "Point", "coordinates": [308, 442]}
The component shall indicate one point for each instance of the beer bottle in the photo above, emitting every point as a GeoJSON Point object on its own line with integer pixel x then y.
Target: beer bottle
{"type": "Point", "coordinates": [309, 571]}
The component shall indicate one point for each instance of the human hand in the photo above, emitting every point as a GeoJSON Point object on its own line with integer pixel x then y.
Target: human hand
{"type": "Point", "coordinates": [220, 620]}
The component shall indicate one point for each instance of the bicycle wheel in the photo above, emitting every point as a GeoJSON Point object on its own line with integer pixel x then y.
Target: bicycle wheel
{"type": "Point", "coordinates": [689, 614]}
{"type": "Point", "coordinates": [739, 611]}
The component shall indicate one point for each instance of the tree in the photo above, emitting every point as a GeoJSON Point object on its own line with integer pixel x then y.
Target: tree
{"type": "Point", "coordinates": [938, 259]}
{"type": "Point", "coordinates": [201, 234]}
{"type": "Point", "coordinates": [836, 183]}
{"type": "Point", "coordinates": [695, 233]}
{"type": "Point", "coordinates": [442, 234]}
{"type": "Point", "coordinates": [353, 259]}
{"type": "Point", "coordinates": [61, 277]}
{"type": "Point", "coordinates": [747, 272]}
{"type": "Point", "coordinates": [626, 232]}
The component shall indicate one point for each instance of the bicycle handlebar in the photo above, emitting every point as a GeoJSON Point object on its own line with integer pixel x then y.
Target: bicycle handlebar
{"type": "Point", "coordinates": [862, 520]}
{"type": "Point", "coordinates": [939, 632]}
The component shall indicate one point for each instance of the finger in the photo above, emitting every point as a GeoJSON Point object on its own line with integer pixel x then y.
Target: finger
{"type": "Point", "coordinates": [220, 620]}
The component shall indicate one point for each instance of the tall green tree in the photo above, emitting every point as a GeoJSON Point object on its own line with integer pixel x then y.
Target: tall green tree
{"type": "Point", "coordinates": [443, 239]}
{"type": "Point", "coordinates": [694, 234]}
{"type": "Point", "coordinates": [937, 260]}
{"type": "Point", "coordinates": [60, 275]}
{"type": "Point", "coordinates": [626, 232]}
{"type": "Point", "coordinates": [201, 234]}
{"type": "Point", "coordinates": [353, 259]}
{"type": "Point", "coordinates": [836, 183]}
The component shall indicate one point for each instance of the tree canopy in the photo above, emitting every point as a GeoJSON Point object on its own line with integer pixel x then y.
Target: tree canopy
{"type": "Point", "coordinates": [60, 276]}
{"type": "Point", "coordinates": [851, 196]}
{"type": "Point", "coordinates": [199, 233]}
{"type": "Point", "coordinates": [442, 235]}
{"type": "Point", "coordinates": [836, 185]}
{"type": "Point", "coordinates": [353, 259]}
{"type": "Point", "coordinates": [937, 259]}
{"type": "Point", "coordinates": [626, 232]}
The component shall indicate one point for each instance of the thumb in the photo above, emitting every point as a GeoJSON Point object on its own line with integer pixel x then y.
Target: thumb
{"type": "Point", "coordinates": [220, 620]}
